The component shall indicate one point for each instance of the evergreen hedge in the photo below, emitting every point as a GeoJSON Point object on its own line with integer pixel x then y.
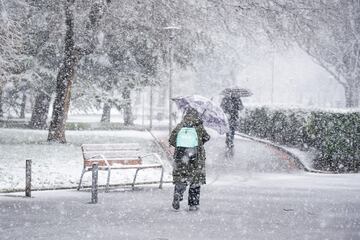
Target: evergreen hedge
{"type": "Point", "coordinates": [334, 135]}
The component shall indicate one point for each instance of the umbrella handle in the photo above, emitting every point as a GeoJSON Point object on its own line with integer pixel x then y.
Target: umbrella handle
{"type": "Point", "coordinates": [203, 113]}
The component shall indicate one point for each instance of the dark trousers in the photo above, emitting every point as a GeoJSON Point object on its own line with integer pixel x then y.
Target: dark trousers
{"type": "Point", "coordinates": [194, 193]}
{"type": "Point", "coordinates": [230, 137]}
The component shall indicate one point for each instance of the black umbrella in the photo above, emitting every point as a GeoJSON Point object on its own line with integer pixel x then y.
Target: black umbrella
{"type": "Point", "coordinates": [237, 92]}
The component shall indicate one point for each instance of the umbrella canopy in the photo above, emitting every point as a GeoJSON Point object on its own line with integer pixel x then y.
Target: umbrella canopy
{"type": "Point", "coordinates": [237, 92]}
{"type": "Point", "coordinates": [211, 114]}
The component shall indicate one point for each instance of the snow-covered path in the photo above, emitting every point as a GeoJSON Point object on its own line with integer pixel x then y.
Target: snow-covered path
{"type": "Point", "coordinates": [227, 212]}
{"type": "Point", "coordinates": [257, 195]}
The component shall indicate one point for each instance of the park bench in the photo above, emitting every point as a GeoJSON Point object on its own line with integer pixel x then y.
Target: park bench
{"type": "Point", "coordinates": [119, 156]}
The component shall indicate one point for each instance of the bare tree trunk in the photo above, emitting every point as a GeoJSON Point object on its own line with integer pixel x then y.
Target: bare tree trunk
{"type": "Point", "coordinates": [357, 93]}
{"type": "Point", "coordinates": [64, 80]}
{"type": "Point", "coordinates": [40, 111]}
{"type": "Point", "coordinates": [128, 117]}
{"type": "Point", "coordinates": [347, 96]}
{"type": "Point", "coordinates": [105, 118]}
{"type": "Point", "coordinates": [162, 101]}
{"type": "Point", "coordinates": [352, 95]}
{"type": "Point", "coordinates": [1, 101]}
{"type": "Point", "coordinates": [23, 106]}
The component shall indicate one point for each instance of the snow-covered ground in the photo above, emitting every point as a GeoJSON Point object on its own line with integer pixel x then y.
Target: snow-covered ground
{"type": "Point", "coordinates": [59, 165]}
{"type": "Point", "coordinates": [259, 194]}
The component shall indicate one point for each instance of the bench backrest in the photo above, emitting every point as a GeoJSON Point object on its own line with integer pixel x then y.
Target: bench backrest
{"type": "Point", "coordinates": [118, 153]}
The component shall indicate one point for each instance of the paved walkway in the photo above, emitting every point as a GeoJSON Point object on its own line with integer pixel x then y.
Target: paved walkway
{"type": "Point", "coordinates": [256, 195]}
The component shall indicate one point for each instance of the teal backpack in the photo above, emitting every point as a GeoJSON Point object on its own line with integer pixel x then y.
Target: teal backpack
{"type": "Point", "coordinates": [187, 137]}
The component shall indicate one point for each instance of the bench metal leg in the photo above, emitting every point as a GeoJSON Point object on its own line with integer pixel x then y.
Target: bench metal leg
{"type": "Point", "coordinates": [81, 177]}
{"type": "Point", "coordinates": [108, 181]}
{"type": "Point", "coordinates": [133, 184]}
{"type": "Point", "coordinates": [161, 177]}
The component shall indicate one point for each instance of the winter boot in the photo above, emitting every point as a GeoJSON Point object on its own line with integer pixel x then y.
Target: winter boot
{"type": "Point", "coordinates": [176, 202]}
{"type": "Point", "coordinates": [193, 208]}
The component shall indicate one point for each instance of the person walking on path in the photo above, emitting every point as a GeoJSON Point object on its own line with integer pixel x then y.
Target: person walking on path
{"type": "Point", "coordinates": [231, 105]}
{"type": "Point", "coordinates": [188, 138]}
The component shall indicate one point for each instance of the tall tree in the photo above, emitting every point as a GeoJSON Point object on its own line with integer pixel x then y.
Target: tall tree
{"type": "Point", "coordinates": [134, 51]}
{"type": "Point", "coordinates": [43, 37]}
{"type": "Point", "coordinates": [329, 31]}
{"type": "Point", "coordinates": [72, 55]}
{"type": "Point", "coordinates": [12, 14]}
{"type": "Point", "coordinates": [333, 40]}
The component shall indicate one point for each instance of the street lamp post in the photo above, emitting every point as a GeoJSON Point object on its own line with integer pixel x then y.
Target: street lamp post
{"type": "Point", "coordinates": [151, 107]}
{"type": "Point", "coordinates": [272, 76]}
{"type": "Point", "coordinates": [171, 29]}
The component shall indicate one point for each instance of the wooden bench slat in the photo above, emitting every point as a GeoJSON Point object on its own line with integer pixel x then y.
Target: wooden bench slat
{"type": "Point", "coordinates": [105, 145]}
{"type": "Point", "coordinates": [113, 154]}
{"type": "Point", "coordinates": [102, 147]}
{"type": "Point", "coordinates": [132, 167]}
{"type": "Point", "coordinates": [101, 162]}
{"type": "Point", "coordinates": [112, 149]}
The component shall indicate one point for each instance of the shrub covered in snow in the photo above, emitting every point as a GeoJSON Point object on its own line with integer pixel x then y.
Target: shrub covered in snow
{"type": "Point", "coordinates": [335, 135]}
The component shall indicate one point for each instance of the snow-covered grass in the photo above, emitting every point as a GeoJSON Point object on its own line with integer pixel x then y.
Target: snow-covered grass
{"type": "Point", "coordinates": [94, 118]}
{"type": "Point", "coordinates": [301, 108]}
{"type": "Point", "coordinates": [60, 165]}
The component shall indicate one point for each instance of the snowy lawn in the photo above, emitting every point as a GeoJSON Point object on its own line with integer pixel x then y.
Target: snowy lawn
{"type": "Point", "coordinates": [60, 165]}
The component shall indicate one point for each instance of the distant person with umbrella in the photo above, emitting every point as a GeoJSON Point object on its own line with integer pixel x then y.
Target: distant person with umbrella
{"type": "Point", "coordinates": [232, 105]}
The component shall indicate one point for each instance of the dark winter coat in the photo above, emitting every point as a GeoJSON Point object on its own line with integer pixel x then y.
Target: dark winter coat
{"type": "Point", "coordinates": [231, 106]}
{"type": "Point", "coordinates": [193, 171]}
